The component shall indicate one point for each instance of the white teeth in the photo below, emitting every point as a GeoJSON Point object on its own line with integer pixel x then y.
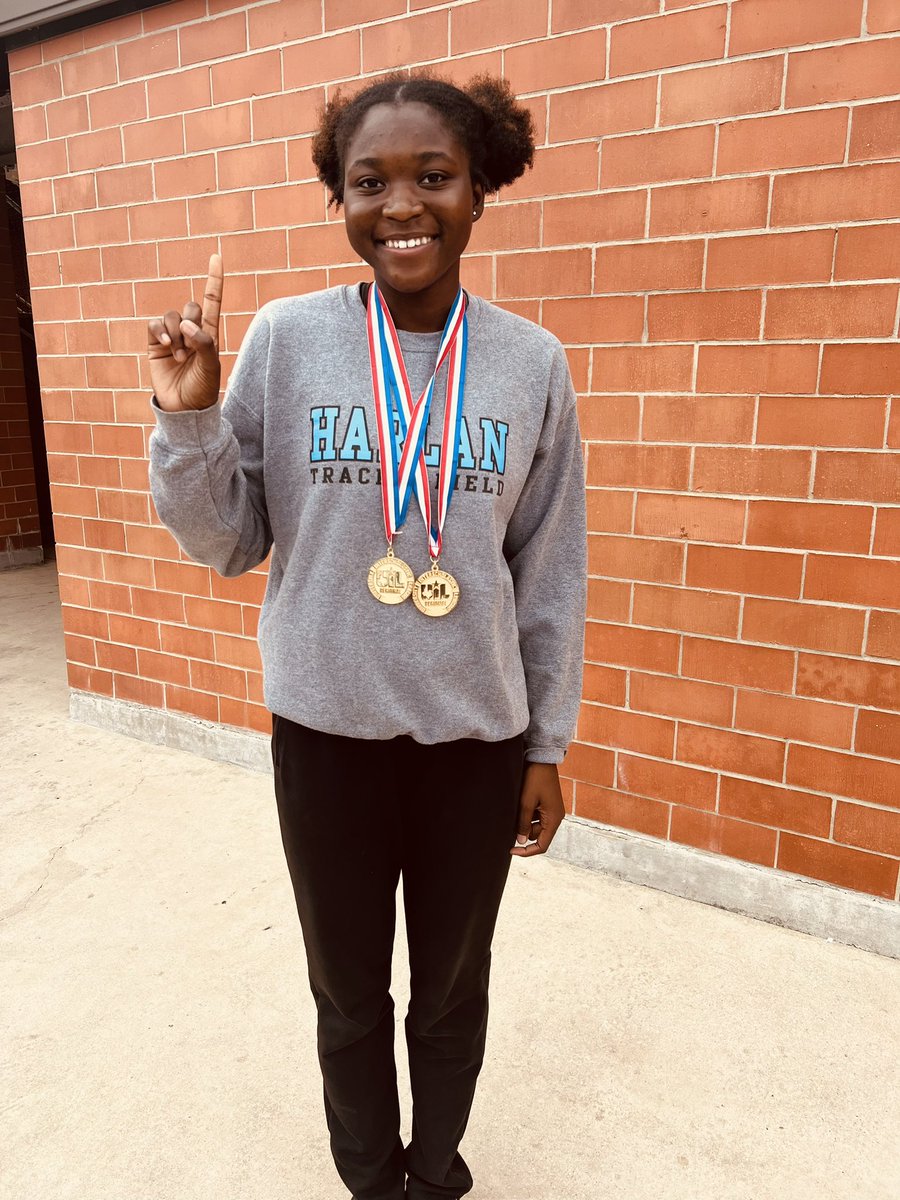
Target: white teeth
{"type": "Point", "coordinates": [407, 243]}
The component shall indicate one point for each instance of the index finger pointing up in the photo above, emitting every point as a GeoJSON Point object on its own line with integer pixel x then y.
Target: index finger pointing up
{"type": "Point", "coordinates": [212, 298]}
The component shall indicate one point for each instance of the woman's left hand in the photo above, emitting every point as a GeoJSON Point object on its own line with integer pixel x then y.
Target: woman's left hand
{"type": "Point", "coordinates": [541, 809]}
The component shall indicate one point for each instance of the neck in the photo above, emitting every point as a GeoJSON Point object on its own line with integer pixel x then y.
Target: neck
{"type": "Point", "coordinates": [422, 312]}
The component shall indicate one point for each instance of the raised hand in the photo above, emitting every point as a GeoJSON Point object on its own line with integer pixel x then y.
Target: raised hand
{"type": "Point", "coordinates": [184, 349]}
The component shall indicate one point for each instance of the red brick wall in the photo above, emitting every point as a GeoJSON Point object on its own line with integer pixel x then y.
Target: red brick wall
{"type": "Point", "coordinates": [20, 531]}
{"type": "Point", "coordinates": [711, 228]}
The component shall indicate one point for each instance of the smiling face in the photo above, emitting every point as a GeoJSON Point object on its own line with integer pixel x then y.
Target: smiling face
{"type": "Point", "coordinates": [408, 208]}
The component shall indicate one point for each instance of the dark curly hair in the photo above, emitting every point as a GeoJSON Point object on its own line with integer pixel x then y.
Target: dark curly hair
{"type": "Point", "coordinates": [496, 131]}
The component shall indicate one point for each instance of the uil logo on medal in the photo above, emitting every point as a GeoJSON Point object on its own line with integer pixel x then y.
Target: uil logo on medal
{"type": "Point", "coordinates": [390, 579]}
{"type": "Point", "coordinates": [435, 593]}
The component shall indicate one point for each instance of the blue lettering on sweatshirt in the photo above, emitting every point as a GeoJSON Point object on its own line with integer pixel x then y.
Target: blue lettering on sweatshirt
{"type": "Point", "coordinates": [355, 445]}
{"type": "Point", "coordinates": [332, 441]}
{"type": "Point", "coordinates": [324, 420]}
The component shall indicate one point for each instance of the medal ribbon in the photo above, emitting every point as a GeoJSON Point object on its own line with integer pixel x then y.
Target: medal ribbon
{"type": "Point", "coordinates": [387, 440]}
{"type": "Point", "coordinates": [405, 471]}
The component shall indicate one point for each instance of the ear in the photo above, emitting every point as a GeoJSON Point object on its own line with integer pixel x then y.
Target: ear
{"type": "Point", "coordinates": [477, 200]}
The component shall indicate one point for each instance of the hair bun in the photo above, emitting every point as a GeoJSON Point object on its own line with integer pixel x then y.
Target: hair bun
{"type": "Point", "coordinates": [497, 131]}
{"type": "Point", "coordinates": [508, 131]}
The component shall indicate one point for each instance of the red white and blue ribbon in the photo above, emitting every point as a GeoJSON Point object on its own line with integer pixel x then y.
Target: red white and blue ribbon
{"type": "Point", "coordinates": [403, 467]}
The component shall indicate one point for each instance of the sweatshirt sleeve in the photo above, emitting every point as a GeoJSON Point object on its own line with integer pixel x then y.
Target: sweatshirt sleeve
{"type": "Point", "coordinates": [546, 549]}
{"type": "Point", "coordinates": [206, 468]}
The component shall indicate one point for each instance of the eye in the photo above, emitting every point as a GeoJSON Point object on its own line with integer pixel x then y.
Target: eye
{"type": "Point", "coordinates": [368, 184]}
{"type": "Point", "coordinates": [434, 177]}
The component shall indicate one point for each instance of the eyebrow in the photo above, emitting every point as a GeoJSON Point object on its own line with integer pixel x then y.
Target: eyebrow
{"type": "Point", "coordinates": [422, 157]}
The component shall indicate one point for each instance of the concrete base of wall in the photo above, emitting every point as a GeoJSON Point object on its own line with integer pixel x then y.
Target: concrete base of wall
{"type": "Point", "coordinates": [793, 901]}
{"type": "Point", "coordinates": [28, 557]}
{"type": "Point", "coordinates": [220, 742]}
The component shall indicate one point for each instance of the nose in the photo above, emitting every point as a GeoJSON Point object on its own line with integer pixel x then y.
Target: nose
{"type": "Point", "coordinates": [401, 204]}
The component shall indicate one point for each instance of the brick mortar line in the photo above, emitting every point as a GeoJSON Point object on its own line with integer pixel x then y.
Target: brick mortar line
{"type": "Point", "coordinates": [820, 365]}
{"type": "Point", "coordinates": [763, 310]}
{"type": "Point", "coordinates": [180, 658]}
{"type": "Point", "coordinates": [731, 639]}
{"type": "Point", "coordinates": [734, 642]}
{"type": "Point", "coordinates": [765, 780]}
{"type": "Point", "coordinates": [729, 12]}
{"type": "Point", "coordinates": [739, 640]}
{"type": "Point", "coordinates": [401, 18]}
{"type": "Point", "coordinates": [736, 343]}
{"type": "Point", "coordinates": [743, 731]}
{"type": "Point", "coordinates": [714, 683]}
{"type": "Point", "coordinates": [846, 160]}
{"type": "Point", "coordinates": [855, 725]}
{"type": "Point", "coordinates": [841, 605]}
{"type": "Point", "coordinates": [762, 546]}
{"type": "Point", "coordinates": [452, 57]}
{"type": "Point", "coordinates": [617, 135]}
{"type": "Point", "coordinates": [727, 119]}
{"type": "Point", "coordinates": [721, 773]}
{"type": "Point", "coordinates": [175, 654]}
{"type": "Point", "coordinates": [717, 139]}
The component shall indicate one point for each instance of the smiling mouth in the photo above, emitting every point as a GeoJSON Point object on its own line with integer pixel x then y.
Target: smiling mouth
{"type": "Point", "coordinates": [408, 243]}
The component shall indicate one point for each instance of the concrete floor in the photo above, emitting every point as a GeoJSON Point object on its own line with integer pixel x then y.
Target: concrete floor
{"type": "Point", "coordinates": [159, 1035]}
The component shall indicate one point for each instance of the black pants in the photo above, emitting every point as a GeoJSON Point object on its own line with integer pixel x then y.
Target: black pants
{"type": "Point", "coordinates": [355, 816]}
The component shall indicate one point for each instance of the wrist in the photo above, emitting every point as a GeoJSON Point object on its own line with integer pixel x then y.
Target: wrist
{"type": "Point", "coordinates": [178, 407]}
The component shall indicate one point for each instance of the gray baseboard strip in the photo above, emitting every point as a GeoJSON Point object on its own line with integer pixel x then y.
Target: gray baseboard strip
{"type": "Point", "coordinates": [11, 560]}
{"type": "Point", "coordinates": [779, 897]}
{"type": "Point", "coordinates": [220, 742]}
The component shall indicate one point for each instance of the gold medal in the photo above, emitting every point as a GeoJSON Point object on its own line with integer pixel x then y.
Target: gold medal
{"type": "Point", "coordinates": [390, 579]}
{"type": "Point", "coordinates": [436, 592]}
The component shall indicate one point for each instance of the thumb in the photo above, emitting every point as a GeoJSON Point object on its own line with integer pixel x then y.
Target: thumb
{"type": "Point", "coordinates": [200, 342]}
{"type": "Point", "coordinates": [523, 830]}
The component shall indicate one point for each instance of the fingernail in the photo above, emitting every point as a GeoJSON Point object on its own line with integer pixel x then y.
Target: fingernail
{"type": "Point", "coordinates": [189, 326]}
{"type": "Point", "coordinates": [521, 839]}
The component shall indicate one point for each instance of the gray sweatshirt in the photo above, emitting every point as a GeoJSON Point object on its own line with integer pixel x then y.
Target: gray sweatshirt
{"type": "Point", "coordinates": [289, 463]}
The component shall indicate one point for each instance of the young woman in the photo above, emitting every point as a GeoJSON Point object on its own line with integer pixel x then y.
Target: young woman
{"type": "Point", "coordinates": [423, 686]}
